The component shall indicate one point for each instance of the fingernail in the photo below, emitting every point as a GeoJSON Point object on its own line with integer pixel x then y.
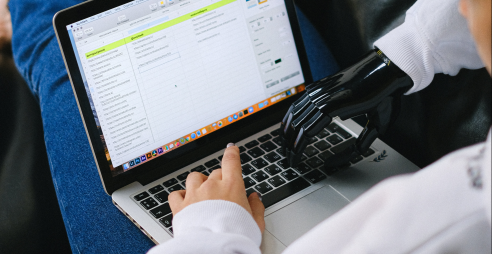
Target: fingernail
{"type": "Point", "coordinates": [259, 196]}
{"type": "Point", "coordinates": [230, 144]}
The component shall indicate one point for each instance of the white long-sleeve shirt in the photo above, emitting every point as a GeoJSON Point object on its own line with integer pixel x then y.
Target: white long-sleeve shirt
{"type": "Point", "coordinates": [436, 210]}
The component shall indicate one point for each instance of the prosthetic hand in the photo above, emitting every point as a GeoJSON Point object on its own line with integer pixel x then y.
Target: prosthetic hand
{"type": "Point", "coordinates": [367, 87]}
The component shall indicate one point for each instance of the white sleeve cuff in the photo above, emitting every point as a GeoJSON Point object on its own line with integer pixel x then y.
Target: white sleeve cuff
{"type": "Point", "coordinates": [433, 39]}
{"type": "Point", "coordinates": [217, 216]}
{"type": "Point", "coordinates": [409, 51]}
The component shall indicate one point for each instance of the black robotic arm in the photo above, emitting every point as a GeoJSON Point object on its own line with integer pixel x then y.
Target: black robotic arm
{"type": "Point", "coordinates": [367, 87]}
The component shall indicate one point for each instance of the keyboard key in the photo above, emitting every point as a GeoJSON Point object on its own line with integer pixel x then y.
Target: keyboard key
{"type": "Point", "coordinates": [283, 163]}
{"type": "Point", "coordinates": [171, 230]}
{"type": "Point", "coordinates": [161, 211]}
{"type": "Point", "coordinates": [259, 163]}
{"type": "Point", "coordinates": [356, 159]}
{"type": "Point", "coordinates": [322, 145]}
{"type": "Point", "coordinates": [369, 152]}
{"type": "Point", "coordinates": [141, 196]}
{"type": "Point", "coordinates": [334, 139]}
{"type": "Point", "coordinates": [277, 141]}
{"type": "Point", "coordinates": [344, 133]}
{"type": "Point", "coordinates": [325, 155]}
{"type": "Point", "coordinates": [340, 148]}
{"type": "Point", "coordinates": [167, 221]}
{"type": "Point", "coordinates": [161, 196]}
{"type": "Point", "coordinates": [303, 157]}
{"type": "Point", "coordinates": [248, 182]}
{"type": "Point", "coordinates": [268, 146]}
{"type": "Point", "coordinates": [279, 151]}
{"type": "Point", "coordinates": [256, 152]}
{"type": "Point", "coordinates": [183, 176]}
{"type": "Point", "coordinates": [315, 176]}
{"type": "Point", "coordinates": [310, 151]}
{"type": "Point", "coordinates": [284, 191]}
{"type": "Point", "coordinates": [170, 182]}
{"type": "Point", "coordinates": [324, 133]}
{"type": "Point", "coordinates": [314, 162]}
{"type": "Point", "coordinates": [242, 149]}
{"type": "Point", "coordinates": [263, 187]}
{"type": "Point", "coordinates": [344, 166]}
{"type": "Point", "coordinates": [149, 203]}
{"type": "Point", "coordinates": [249, 191]}
{"type": "Point", "coordinates": [273, 169]}
{"type": "Point", "coordinates": [330, 171]}
{"type": "Point", "coordinates": [175, 188]}
{"type": "Point", "coordinates": [248, 169]}
{"type": "Point", "coordinates": [289, 174]}
{"type": "Point", "coordinates": [312, 140]}
{"type": "Point", "coordinates": [260, 176]}
{"type": "Point", "coordinates": [264, 138]}
{"type": "Point", "coordinates": [252, 144]}
{"type": "Point", "coordinates": [302, 168]}
{"type": "Point", "coordinates": [272, 157]}
{"type": "Point", "coordinates": [275, 132]}
{"type": "Point", "coordinates": [206, 173]}
{"type": "Point", "coordinates": [220, 157]}
{"type": "Point", "coordinates": [200, 168]}
{"type": "Point", "coordinates": [245, 158]}
{"type": "Point", "coordinates": [333, 127]}
{"type": "Point", "coordinates": [276, 181]}
{"type": "Point", "coordinates": [156, 189]}
{"type": "Point", "coordinates": [214, 168]}
{"type": "Point", "coordinates": [212, 163]}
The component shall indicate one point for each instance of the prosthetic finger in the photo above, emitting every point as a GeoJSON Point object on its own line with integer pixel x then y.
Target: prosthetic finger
{"type": "Point", "coordinates": [288, 118]}
{"type": "Point", "coordinates": [295, 126]}
{"type": "Point", "coordinates": [379, 121]}
{"type": "Point", "coordinates": [355, 148]}
{"type": "Point", "coordinates": [308, 130]}
{"type": "Point", "coordinates": [300, 113]}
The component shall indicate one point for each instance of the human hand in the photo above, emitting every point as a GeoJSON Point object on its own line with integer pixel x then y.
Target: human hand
{"type": "Point", "coordinates": [5, 25]}
{"type": "Point", "coordinates": [225, 183]}
{"type": "Point", "coordinates": [366, 87]}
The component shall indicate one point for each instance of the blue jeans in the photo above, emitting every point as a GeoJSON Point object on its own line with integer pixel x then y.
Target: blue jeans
{"type": "Point", "coordinates": [93, 223]}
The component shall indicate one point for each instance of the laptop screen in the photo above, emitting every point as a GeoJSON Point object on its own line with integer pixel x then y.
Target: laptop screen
{"type": "Point", "coordinates": [160, 75]}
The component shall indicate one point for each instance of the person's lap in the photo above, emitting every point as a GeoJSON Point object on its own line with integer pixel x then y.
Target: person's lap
{"type": "Point", "coordinates": [92, 222]}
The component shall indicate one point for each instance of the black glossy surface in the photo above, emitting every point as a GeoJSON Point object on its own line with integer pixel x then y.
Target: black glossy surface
{"type": "Point", "coordinates": [367, 87]}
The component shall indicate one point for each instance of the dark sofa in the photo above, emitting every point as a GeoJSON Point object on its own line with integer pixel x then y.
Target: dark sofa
{"type": "Point", "coordinates": [453, 112]}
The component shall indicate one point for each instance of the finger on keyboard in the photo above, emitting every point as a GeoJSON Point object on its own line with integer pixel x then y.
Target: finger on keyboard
{"type": "Point", "coordinates": [231, 164]}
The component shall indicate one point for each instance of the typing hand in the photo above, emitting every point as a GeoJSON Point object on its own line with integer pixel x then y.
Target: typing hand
{"type": "Point", "coordinates": [222, 184]}
{"type": "Point", "coordinates": [367, 87]}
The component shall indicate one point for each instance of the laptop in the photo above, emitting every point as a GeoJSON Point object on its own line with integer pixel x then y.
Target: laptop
{"type": "Point", "coordinates": [163, 86]}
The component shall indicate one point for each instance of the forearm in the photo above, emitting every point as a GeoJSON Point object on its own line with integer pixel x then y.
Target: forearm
{"type": "Point", "coordinates": [433, 39]}
{"type": "Point", "coordinates": [213, 227]}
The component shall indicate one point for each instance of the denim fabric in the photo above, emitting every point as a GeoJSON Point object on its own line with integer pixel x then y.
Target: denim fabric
{"type": "Point", "coordinates": [93, 223]}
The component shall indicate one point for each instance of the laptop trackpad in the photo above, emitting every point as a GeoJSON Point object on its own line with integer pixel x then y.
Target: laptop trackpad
{"type": "Point", "coordinates": [294, 220]}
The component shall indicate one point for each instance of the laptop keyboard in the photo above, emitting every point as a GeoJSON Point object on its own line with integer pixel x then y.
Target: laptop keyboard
{"type": "Point", "coordinates": [265, 170]}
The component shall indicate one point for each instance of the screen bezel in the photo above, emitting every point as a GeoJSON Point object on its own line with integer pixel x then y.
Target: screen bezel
{"type": "Point", "coordinates": [187, 154]}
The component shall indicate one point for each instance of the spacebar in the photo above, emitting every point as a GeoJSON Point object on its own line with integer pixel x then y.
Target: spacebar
{"type": "Point", "coordinates": [284, 191]}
